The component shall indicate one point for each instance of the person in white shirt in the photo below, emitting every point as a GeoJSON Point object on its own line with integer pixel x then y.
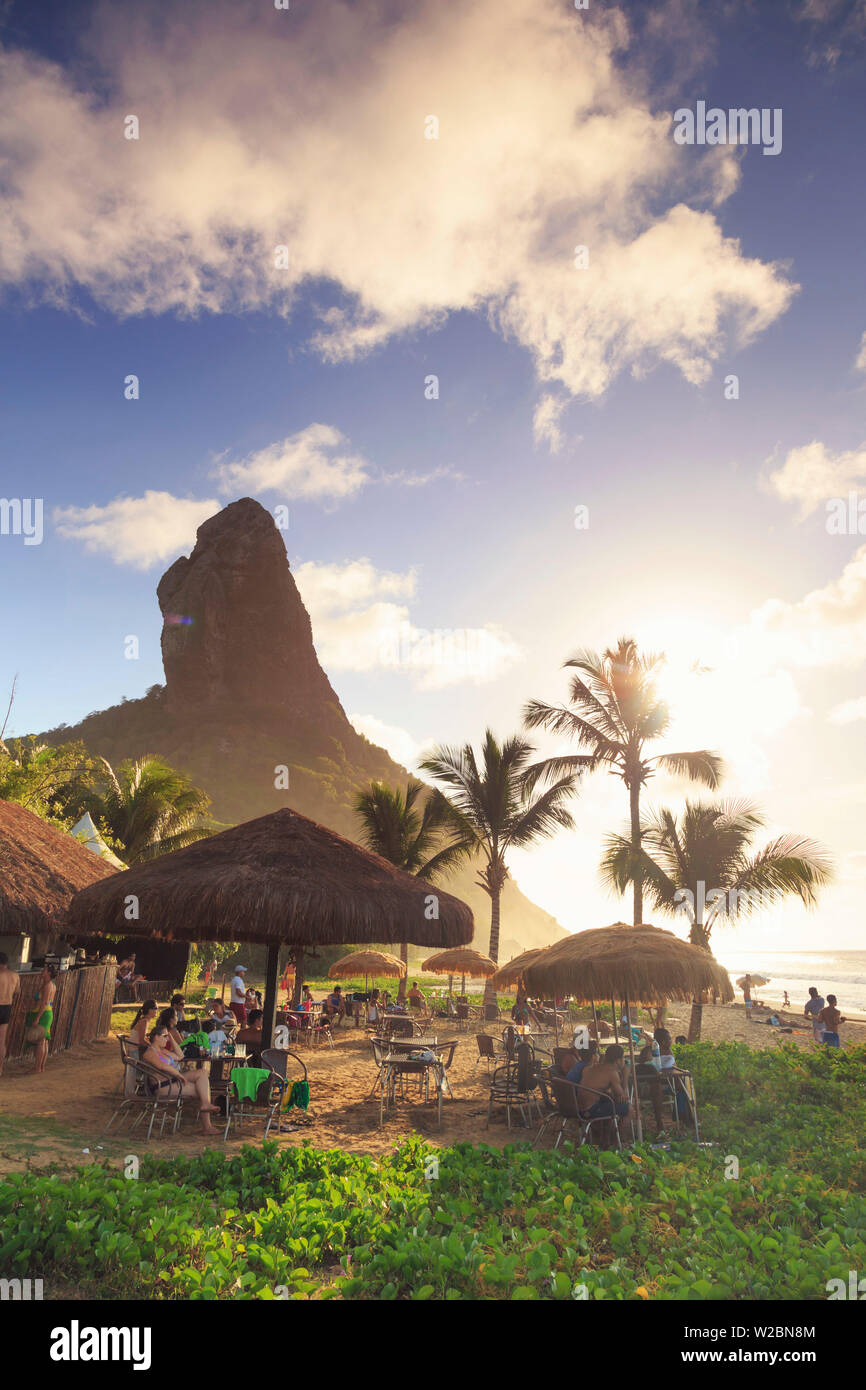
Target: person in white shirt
{"type": "Point", "coordinates": [238, 1003]}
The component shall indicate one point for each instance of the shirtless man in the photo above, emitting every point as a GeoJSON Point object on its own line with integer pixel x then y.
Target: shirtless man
{"type": "Point", "coordinates": [605, 1076]}
{"type": "Point", "coordinates": [831, 1018]}
{"type": "Point", "coordinates": [9, 983]}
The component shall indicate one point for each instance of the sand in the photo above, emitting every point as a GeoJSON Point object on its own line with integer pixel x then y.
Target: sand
{"type": "Point", "coordinates": [58, 1115]}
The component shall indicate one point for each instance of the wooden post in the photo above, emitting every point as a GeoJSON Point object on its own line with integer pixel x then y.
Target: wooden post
{"type": "Point", "coordinates": [299, 977]}
{"type": "Point", "coordinates": [637, 1126]}
{"type": "Point", "coordinates": [271, 986]}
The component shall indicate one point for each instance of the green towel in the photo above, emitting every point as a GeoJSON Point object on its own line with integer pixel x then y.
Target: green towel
{"type": "Point", "coordinates": [247, 1081]}
{"type": "Point", "coordinates": [200, 1039]}
{"type": "Point", "coordinates": [299, 1095]}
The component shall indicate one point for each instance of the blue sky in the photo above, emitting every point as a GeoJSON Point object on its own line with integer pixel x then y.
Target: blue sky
{"type": "Point", "coordinates": [411, 257]}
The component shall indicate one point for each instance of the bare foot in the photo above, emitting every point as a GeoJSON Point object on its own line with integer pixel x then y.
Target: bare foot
{"type": "Point", "coordinates": [208, 1109]}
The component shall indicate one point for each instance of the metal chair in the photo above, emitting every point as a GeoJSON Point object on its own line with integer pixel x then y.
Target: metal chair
{"type": "Point", "coordinates": [155, 1093]}
{"type": "Point", "coordinates": [277, 1058]}
{"type": "Point", "coordinates": [567, 1109]}
{"type": "Point", "coordinates": [486, 1050]}
{"type": "Point", "coordinates": [513, 1086]}
{"type": "Point", "coordinates": [267, 1101]}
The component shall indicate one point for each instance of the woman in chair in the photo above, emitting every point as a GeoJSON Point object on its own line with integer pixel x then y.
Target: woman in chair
{"type": "Point", "coordinates": [196, 1084]}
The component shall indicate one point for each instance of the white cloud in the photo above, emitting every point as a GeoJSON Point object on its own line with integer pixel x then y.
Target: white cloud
{"type": "Point", "coordinates": [826, 628]}
{"type": "Point", "coordinates": [313, 464]}
{"type": "Point", "coordinates": [848, 712]}
{"type": "Point", "coordinates": [137, 531]}
{"type": "Point", "coordinates": [260, 129]}
{"type": "Point", "coordinates": [357, 627]}
{"type": "Point", "coordinates": [860, 363]}
{"type": "Point", "coordinates": [403, 748]}
{"type": "Point", "coordinates": [812, 474]}
{"type": "Point", "coordinates": [329, 588]}
{"type": "Point", "coordinates": [545, 422]}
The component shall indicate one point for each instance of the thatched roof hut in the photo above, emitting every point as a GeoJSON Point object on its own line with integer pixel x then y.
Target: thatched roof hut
{"type": "Point", "coordinates": [280, 878]}
{"type": "Point", "coordinates": [41, 869]}
{"type": "Point", "coordinates": [366, 963]}
{"type": "Point", "coordinates": [643, 964]}
{"type": "Point", "coordinates": [512, 972]}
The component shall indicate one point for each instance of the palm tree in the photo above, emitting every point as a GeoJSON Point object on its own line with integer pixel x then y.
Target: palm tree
{"type": "Point", "coordinates": [702, 864]}
{"type": "Point", "coordinates": [615, 712]}
{"type": "Point", "coordinates": [497, 809]}
{"type": "Point", "coordinates": [410, 836]}
{"type": "Point", "coordinates": [147, 807]}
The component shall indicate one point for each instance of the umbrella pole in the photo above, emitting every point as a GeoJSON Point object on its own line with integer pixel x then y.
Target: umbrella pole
{"type": "Point", "coordinates": [637, 1126]}
{"type": "Point", "coordinates": [615, 1024]}
{"type": "Point", "coordinates": [595, 1021]}
{"type": "Point", "coordinates": [271, 985]}
{"type": "Point", "coordinates": [299, 977]}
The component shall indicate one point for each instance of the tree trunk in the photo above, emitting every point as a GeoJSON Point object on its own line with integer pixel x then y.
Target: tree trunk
{"type": "Point", "coordinates": [634, 800]}
{"type": "Point", "coordinates": [697, 937]}
{"type": "Point", "coordinates": [404, 956]}
{"type": "Point", "coordinates": [489, 991]}
{"type": "Point", "coordinates": [694, 1034]}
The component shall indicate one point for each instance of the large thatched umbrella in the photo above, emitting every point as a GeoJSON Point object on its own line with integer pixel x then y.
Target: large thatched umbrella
{"type": "Point", "coordinates": [366, 963]}
{"type": "Point", "coordinates": [41, 869]}
{"type": "Point", "coordinates": [279, 879]}
{"type": "Point", "coordinates": [464, 962]}
{"type": "Point", "coordinates": [642, 963]}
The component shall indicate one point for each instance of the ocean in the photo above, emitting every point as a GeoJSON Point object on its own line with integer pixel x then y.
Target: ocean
{"type": "Point", "coordinates": [842, 973]}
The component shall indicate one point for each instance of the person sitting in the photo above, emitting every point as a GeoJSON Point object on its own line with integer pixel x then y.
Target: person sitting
{"type": "Point", "coordinates": [830, 1017]}
{"type": "Point", "coordinates": [195, 1084]}
{"type": "Point", "coordinates": [584, 1057]}
{"type": "Point", "coordinates": [142, 1023]}
{"type": "Point", "coordinates": [604, 1076]}
{"type": "Point", "coordinates": [251, 1034]}
{"type": "Point", "coordinates": [415, 997]}
{"type": "Point", "coordinates": [168, 1020]}
{"type": "Point", "coordinates": [127, 978]}
{"type": "Point", "coordinates": [374, 1008]}
{"type": "Point", "coordinates": [306, 1004]}
{"type": "Point", "coordinates": [221, 1015]}
{"type": "Point", "coordinates": [335, 1006]}
{"type": "Point", "coordinates": [178, 1002]}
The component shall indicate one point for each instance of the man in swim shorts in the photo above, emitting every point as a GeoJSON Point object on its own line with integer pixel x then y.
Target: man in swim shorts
{"type": "Point", "coordinates": [604, 1076]}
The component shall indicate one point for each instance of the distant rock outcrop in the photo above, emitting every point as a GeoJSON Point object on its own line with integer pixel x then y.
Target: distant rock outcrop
{"type": "Point", "coordinates": [235, 632]}
{"type": "Point", "coordinates": [246, 706]}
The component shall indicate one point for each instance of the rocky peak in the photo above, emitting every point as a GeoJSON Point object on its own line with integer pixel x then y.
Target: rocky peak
{"type": "Point", "coordinates": [235, 632]}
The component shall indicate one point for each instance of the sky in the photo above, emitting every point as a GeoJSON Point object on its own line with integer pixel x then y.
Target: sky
{"type": "Point", "coordinates": [525, 372]}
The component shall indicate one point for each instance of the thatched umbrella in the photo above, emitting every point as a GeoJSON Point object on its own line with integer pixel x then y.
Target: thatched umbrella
{"type": "Point", "coordinates": [279, 879]}
{"type": "Point", "coordinates": [642, 963]}
{"type": "Point", "coordinates": [512, 972]}
{"type": "Point", "coordinates": [41, 869]}
{"type": "Point", "coordinates": [464, 962]}
{"type": "Point", "coordinates": [366, 963]}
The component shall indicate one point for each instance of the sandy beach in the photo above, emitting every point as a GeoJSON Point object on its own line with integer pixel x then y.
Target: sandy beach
{"type": "Point", "coordinates": [59, 1115]}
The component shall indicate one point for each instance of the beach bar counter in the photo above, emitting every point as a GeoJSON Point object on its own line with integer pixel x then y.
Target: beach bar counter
{"type": "Point", "coordinates": [82, 1006]}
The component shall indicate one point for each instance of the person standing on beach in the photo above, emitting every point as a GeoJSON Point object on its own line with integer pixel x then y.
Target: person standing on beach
{"type": "Point", "coordinates": [9, 983]}
{"type": "Point", "coordinates": [814, 1005]}
{"type": "Point", "coordinates": [830, 1018]}
{"type": "Point", "coordinates": [747, 994]}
